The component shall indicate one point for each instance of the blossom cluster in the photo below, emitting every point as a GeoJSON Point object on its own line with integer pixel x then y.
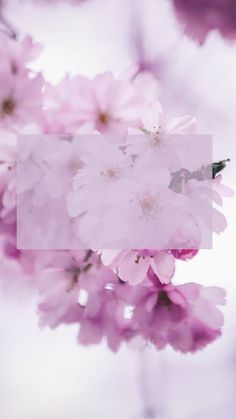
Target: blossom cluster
{"type": "Point", "coordinates": [141, 194]}
{"type": "Point", "coordinates": [136, 191]}
{"type": "Point", "coordinates": [125, 295]}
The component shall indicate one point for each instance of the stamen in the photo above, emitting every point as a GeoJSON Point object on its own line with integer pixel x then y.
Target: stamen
{"type": "Point", "coordinates": [73, 275]}
{"type": "Point", "coordinates": [149, 206]}
{"type": "Point", "coordinates": [8, 106]}
{"type": "Point", "coordinates": [163, 299]}
{"type": "Point", "coordinates": [104, 118]}
{"type": "Point", "coordinates": [110, 174]}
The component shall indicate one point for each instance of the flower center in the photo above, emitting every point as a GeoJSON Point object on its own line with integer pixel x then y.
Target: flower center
{"type": "Point", "coordinates": [156, 138]}
{"type": "Point", "coordinates": [73, 275]}
{"type": "Point", "coordinates": [110, 174]}
{"type": "Point", "coordinates": [163, 299]}
{"type": "Point", "coordinates": [8, 106]}
{"type": "Point", "coordinates": [104, 118]}
{"type": "Point", "coordinates": [148, 205]}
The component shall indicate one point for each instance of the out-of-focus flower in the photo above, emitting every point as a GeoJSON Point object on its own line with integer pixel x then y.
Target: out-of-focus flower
{"type": "Point", "coordinates": [107, 104]}
{"type": "Point", "coordinates": [199, 17]}
{"type": "Point", "coordinates": [20, 100]}
{"type": "Point", "coordinates": [21, 89]}
{"type": "Point", "coordinates": [144, 81]}
{"type": "Point", "coordinates": [63, 103]}
{"type": "Point", "coordinates": [116, 105]}
{"type": "Point", "coordinates": [17, 55]}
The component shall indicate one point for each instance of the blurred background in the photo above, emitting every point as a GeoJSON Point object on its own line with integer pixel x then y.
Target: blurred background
{"type": "Point", "coordinates": [45, 374]}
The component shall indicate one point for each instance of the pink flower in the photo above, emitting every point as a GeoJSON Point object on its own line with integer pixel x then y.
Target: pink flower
{"type": "Point", "coordinates": [20, 100]}
{"type": "Point", "coordinates": [115, 105]}
{"type": "Point", "coordinates": [103, 165]}
{"type": "Point", "coordinates": [20, 95]}
{"type": "Point", "coordinates": [59, 285]}
{"type": "Point", "coordinates": [183, 316]}
{"type": "Point", "coordinates": [76, 288]}
{"type": "Point", "coordinates": [132, 265]}
{"type": "Point", "coordinates": [149, 213]}
{"type": "Point", "coordinates": [63, 103]}
{"type": "Point", "coordinates": [17, 55]}
{"type": "Point", "coordinates": [106, 104]}
{"type": "Point", "coordinates": [121, 195]}
{"type": "Point", "coordinates": [159, 136]}
{"type": "Point", "coordinates": [108, 315]}
{"type": "Point", "coordinates": [45, 168]}
{"type": "Point", "coordinates": [203, 194]}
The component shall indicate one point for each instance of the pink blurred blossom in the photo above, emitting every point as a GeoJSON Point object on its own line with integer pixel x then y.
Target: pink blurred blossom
{"type": "Point", "coordinates": [21, 89]}
{"type": "Point", "coordinates": [199, 17]}
{"type": "Point", "coordinates": [104, 103]}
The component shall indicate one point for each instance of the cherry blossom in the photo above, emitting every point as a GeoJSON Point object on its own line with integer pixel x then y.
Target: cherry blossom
{"type": "Point", "coordinates": [63, 104]}
{"type": "Point", "coordinates": [21, 89]}
{"type": "Point", "coordinates": [149, 203]}
{"type": "Point", "coordinates": [183, 316]}
{"type": "Point", "coordinates": [161, 137]}
{"type": "Point", "coordinates": [18, 55]}
{"type": "Point", "coordinates": [107, 104]}
{"type": "Point", "coordinates": [124, 186]}
{"type": "Point", "coordinates": [132, 265]}
{"type": "Point", "coordinates": [104, 164]}
{"type": "Point", "coordinates": [45, 169]}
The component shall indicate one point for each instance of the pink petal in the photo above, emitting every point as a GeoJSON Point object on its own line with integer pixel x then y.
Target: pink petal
{"type": "Point", "coordinates": [131, 270]}
{"type": "Point", "coordinates": [163, 264]}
